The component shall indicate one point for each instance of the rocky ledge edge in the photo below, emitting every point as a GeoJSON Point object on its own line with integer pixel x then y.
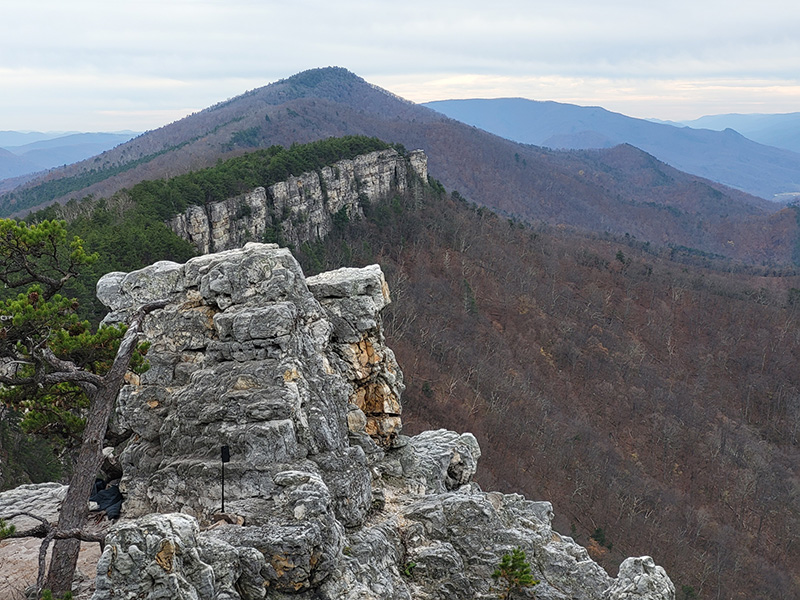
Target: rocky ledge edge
{"type": "Point", "coordinates": [333, 502]}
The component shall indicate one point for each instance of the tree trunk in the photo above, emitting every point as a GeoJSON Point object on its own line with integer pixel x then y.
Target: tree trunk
{"type": "Point", "coordinates": [75, 508]}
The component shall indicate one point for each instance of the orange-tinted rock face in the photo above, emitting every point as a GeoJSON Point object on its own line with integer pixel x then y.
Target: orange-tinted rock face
{"type": "Point", "coordinates": [353, 298]}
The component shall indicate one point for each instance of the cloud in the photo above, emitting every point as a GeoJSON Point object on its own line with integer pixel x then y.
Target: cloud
{"type": "Point", "coordinates": [677, 99]}
{"type": "Point", "coordinates": [168, 54]}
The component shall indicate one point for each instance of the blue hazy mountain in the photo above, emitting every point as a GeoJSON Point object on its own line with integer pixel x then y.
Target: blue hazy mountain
{"type": "Point", "coordinates": [779, 130]}
{"type": "Point", "coordinates": [12, 165]}
{"type": "Point", "coordinates": [20, 138]}
{"type": "Point", "coordinates": [723, 156]}
{"type": "Point", "coordinates": [41, 151]}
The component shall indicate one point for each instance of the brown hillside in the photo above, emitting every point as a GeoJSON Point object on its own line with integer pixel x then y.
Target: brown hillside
{"type": "Point", "coordinates": [655, 403]}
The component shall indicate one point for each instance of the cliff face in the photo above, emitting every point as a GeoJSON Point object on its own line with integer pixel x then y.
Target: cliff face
{"type": "Point", "coordinates": [301, 209]}
{"type": "Point", "coordinates": [327, 499]}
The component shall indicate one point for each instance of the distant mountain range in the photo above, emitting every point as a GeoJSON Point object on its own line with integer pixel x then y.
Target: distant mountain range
{"type": "Point", "coordinates": [781, 131]}
{"type": "Point", "coordinates": [22, 153]}
{"type": "Point", "coordinates": [12, 165]}
{"type": "Point", "coordinates": [723, 156]}
{"type": "Point", "coordinates": [621, 190]}
{"type": "Point", "coordinates": [20, 138]}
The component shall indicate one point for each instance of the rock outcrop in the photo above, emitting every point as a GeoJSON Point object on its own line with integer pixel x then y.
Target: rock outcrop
{"type": "Point", "coordinates": [330, 500]}
{"type": "Point", "coordinates": [40, 499]}
{"type": "Point", "coordinates": [19, 556]}
{"type": "Point", "coordinates": [303, 208]}
{"type": "Point", "coordinates": [242, 357]}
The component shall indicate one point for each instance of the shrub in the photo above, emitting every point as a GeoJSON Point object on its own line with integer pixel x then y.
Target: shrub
{"type": "Point", "coordinates": [514, 573]}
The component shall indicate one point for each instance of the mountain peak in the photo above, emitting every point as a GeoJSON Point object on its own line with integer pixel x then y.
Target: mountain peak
{"type": "Point", "coordinates": [335, 84]}
{"type": "Point", "coordinates": [313, 78]}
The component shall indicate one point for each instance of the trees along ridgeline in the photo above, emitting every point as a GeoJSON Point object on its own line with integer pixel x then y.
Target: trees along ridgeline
{"type": "Point", "coordinates": [60, 374]}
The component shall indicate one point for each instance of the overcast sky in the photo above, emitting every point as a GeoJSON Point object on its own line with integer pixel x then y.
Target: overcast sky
{"type": "Point", "coordinates": [102, 65]}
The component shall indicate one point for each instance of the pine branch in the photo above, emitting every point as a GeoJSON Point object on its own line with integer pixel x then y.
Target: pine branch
{"type": "Point", "coordinates": [39, 530]}
{"type": "Point", "coordinates": [67, 372]}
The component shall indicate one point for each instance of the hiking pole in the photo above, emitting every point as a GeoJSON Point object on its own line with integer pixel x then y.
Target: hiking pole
{"type": "Point", "coordinates": [226, 457]}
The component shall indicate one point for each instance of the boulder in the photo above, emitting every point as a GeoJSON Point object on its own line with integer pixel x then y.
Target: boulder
{"type": "Point", "coordinates": [641, 579]}
{"type": "Point", "coordinates": [156, 557]}
{"type": "Point", "coordinates": [40, 499]}
{"type": "Point", "coordinates": [440, 460]}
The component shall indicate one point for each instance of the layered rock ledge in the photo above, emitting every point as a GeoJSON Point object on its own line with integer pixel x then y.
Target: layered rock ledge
{"type": "Point", "coordinates": [328, 499]}
{"type": "Point", "coordinates": [302, 208]}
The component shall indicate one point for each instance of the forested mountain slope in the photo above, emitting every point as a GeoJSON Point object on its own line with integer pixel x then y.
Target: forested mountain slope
{"type": "Point", "coordinates": [621, 190]}
{"type": "Point", "coordinates": [654, 399]}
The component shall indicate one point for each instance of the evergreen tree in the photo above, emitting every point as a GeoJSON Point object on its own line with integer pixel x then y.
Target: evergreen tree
{"type": "Point", "coordinates": [52, 364]}
{"type": "Point", "coordinates": [513, 573]}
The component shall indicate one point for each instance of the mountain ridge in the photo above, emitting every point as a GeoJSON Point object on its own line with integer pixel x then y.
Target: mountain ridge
{"type": "Point", "coordinates": [594, 190]}
{"type": "Point", "coordinates": [726, 156]}
{"type": "Point", "coordinates": [780, 130]}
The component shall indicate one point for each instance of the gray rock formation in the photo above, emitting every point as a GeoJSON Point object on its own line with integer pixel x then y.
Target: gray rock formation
{"type": "Point", "coordinates": [301, 209]}
{"type": "Point", "coordinates": [352, 300]}
{"type": "Point", "coordinates": [157, 557]}
{"type": "Point", "coordinates": [332, 502]}
{"type": "Point", "coordinates": [641, 578]}
{"type": "Point", "coordinates": [244, 356]}
{"type": "Point", "coordinates": [40, 499]}
{"type": "Point", "coordinates": [439, 461]}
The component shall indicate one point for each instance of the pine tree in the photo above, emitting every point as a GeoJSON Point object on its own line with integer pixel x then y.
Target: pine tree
{"type": "Point", "coordinates": [52, 364]}
{"type": "Point", "coordinates": [514, 573]}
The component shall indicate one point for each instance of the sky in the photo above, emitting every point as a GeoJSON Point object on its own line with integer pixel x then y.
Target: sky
{"type": "Point", "coordinates": [109, 65]}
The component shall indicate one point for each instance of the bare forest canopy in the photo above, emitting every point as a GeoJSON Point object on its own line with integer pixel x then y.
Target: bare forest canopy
{"type": "Point", "coordinates": [617, 190]}
{"type": "Point", "coordinates": [652, 395]}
